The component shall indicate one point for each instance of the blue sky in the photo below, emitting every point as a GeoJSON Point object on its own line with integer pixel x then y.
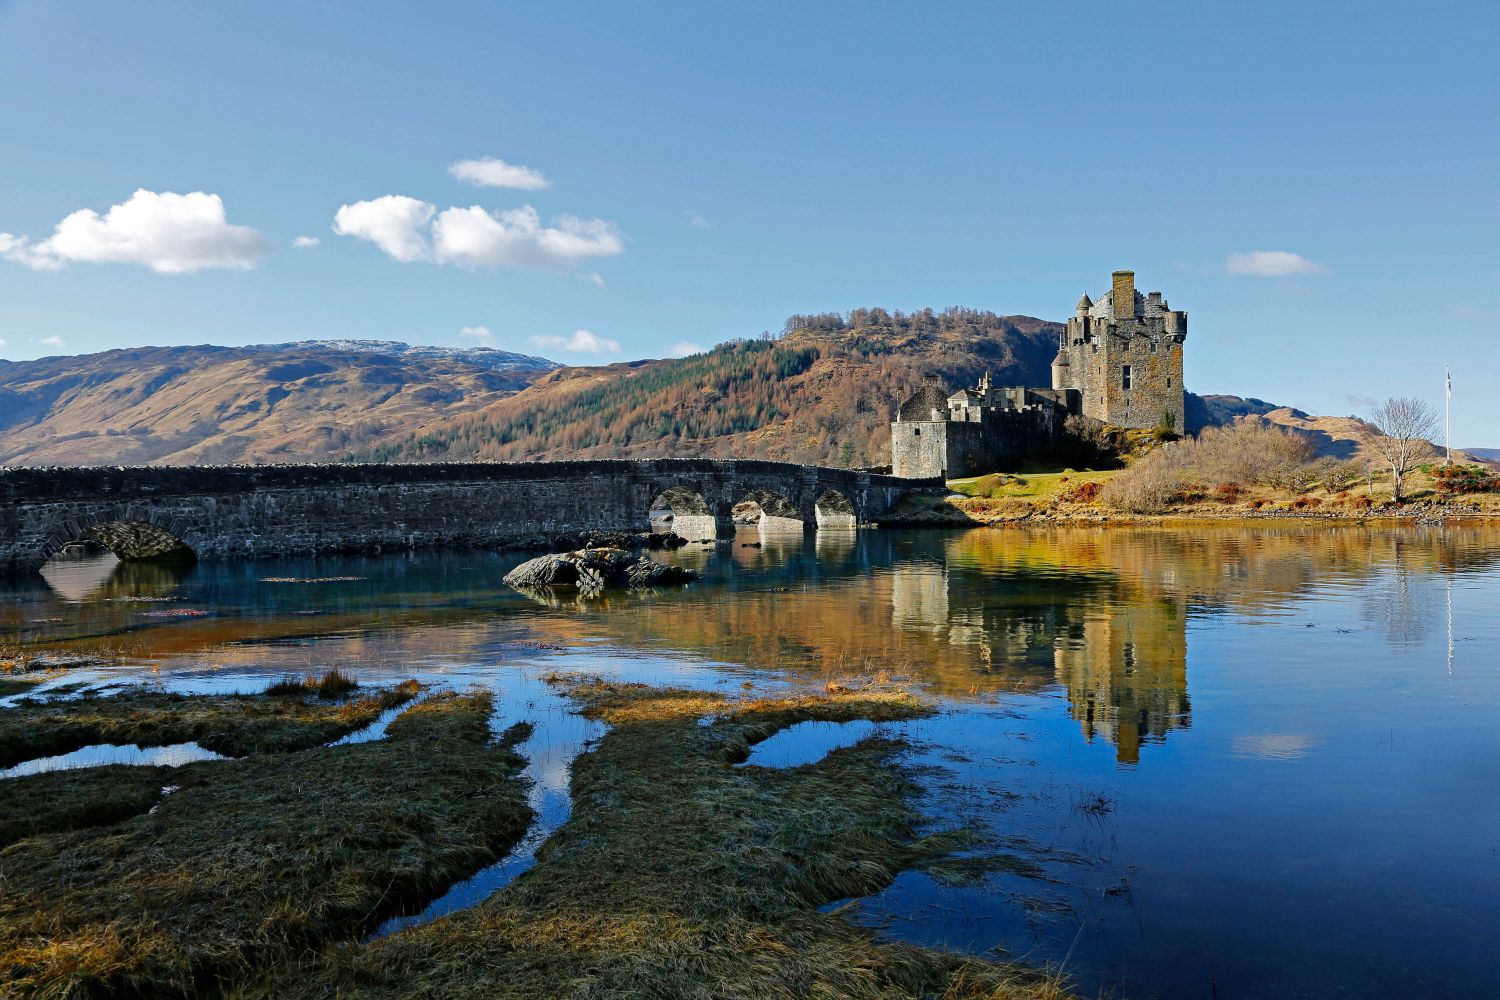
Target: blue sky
{"type": "Point", "coordinates": [711, 168]}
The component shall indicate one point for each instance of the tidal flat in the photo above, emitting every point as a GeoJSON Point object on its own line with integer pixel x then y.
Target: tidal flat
{"type": "Point", "coordinates": [1137, 762]}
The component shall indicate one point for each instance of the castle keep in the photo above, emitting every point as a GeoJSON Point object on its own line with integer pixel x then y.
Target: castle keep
{"type": "Point", "coordinates": [1119, 362]}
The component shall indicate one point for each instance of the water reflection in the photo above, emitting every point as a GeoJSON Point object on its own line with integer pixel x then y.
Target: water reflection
{"type": "Point", "coordinates": [1101, 615]}
{"type": "Point", "coordinates": [1239, 751]}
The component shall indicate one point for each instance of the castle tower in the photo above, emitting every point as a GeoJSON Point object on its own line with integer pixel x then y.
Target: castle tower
{"type": "Point", "coordinates": [1123, 353]}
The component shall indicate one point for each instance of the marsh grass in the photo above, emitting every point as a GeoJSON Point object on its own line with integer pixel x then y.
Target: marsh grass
{"type": "Point", "coordinates": [251, 862]}
{"type": "Point", "coordinates": [680, 875]}
{"type": "Point", "coordinates": [232, 725]}
{"type": "Point", "coordinates": [59, 801]}
{"type": "Point", "coordinates": [333, 684]}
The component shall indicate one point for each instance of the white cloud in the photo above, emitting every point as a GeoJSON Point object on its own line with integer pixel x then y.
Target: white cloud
{"type": "Point", "coordinates": [694, 219]}
{"type": "Point", "coordinates": [594, 278]}
{"type": "Point", "coordinates": [1270, 264]}
{"type": "Point", "coordinates": [683, 348]}
{"type": "Point", "coordinates": [392, 222]}
{"type": "Point", "coordinates": [169, 233]}
{"type": "Point", "coordinates": [303, 242]}
{"type": "Point", "coordinates": [490, 171]}
{"type": "Point", "coordinates": [478, 334]}
{"type": "Point", "coordinates": [473, 237]}
{"type": "Point", "coordinates": [52, 341]}
{"type": "Point", "coordinates": [580, 342]}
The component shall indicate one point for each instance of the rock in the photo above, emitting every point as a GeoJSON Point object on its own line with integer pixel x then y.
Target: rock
{"type": "Point", "coordinates": [590, 571]}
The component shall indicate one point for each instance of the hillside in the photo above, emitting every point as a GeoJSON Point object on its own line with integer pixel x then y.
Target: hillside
{"type": "Point", "coordinates": [299, 402]}
{"type": "Point", "coordinates": [823, 392]}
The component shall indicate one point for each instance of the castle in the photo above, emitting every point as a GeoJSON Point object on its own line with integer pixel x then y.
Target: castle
{"type": "Point", "coordinates": [1119, 362]}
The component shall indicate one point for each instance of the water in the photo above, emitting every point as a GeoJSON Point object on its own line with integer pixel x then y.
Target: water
{"type": "Point", "coordinates": [100, 754]}
{"type": "Point", "coordinates": [1255, 760]}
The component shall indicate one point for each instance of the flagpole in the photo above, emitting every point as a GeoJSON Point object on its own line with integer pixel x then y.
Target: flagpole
{"type": "Point", "coordinates": [1447, 416]}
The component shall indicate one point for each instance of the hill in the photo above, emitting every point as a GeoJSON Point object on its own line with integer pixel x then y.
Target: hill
{"type": "Point", "coordinates": [307, 401]}
{"type": "Point", "coordinates": [823, 392]}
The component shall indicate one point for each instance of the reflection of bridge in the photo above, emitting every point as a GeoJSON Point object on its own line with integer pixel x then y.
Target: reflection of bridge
{"type": "Point", "coordinates": [260, 511]}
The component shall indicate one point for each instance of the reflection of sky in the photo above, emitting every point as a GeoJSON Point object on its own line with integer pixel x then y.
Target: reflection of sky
{"type": "Point", "coordinates": [101, 754]}
{"type": "Point", "coordinates": [1303, 808]}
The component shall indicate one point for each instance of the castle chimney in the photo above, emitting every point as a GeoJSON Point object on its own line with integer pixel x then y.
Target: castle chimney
{"type": "Point", "coordinates": [1124, 294]}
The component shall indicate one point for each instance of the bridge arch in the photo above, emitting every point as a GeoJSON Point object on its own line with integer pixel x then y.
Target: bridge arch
{"type": "Point", "coordinates": [770, 508]}
{"type": "Point", "coordinates": [683, 510]}
{"type": "Point", "coordinates": [833, 509]}
{"type": "Point", "coordinates": [132, 536]}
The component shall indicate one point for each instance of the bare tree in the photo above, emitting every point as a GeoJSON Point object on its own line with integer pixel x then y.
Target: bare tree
{"type": "Point", "coordinates": [1400, 432]}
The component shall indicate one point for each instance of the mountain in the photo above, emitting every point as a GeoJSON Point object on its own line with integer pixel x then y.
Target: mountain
{"type": "Point", "coordinates": [309, 401]}
{"type": "Point", "coordinates": [1491, 455]}
{"type": "Point", "coordinates": [823, 392]}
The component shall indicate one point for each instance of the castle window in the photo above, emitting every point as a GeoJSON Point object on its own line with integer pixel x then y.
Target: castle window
{"type": "Point", "coordinates": [1153, 347]}
{"type": "Point", "coordinates": [1125, 377]}
{"type": "Point", "coordinates": [916, 432]}
{"type": "Point", "coordinates": [1169, 381]}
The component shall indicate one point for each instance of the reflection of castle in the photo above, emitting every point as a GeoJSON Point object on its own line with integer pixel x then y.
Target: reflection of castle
{"type": "Point", "coordinates": [1121, 657]}
{"type": "Point", "coordinates": [1125, 668]}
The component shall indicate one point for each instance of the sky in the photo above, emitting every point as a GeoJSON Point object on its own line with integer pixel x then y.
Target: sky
{"type": "Point", "coordinates": [1315, 184]}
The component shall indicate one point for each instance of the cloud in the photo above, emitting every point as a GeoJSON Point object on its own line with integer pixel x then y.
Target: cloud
{"type": "Point", "coordinates": [410, 230]}
{"type": "Point", "coordinates": [683, 348]}
{"type": "Point", "coordinates": [1361, 402]}
{"type": "Point", "coordinates": [580, 342]}
{"type": "Point", "coordinates": [694, 219]}
{"type": "Point", "coordinates": [490, 171]}
{"type": "Point", "coordinates": [1271, 264]}
{"type": "Point", "coordinates": [478, 334]}
{"type": "Point", "coordinates": [52, 341]}
{"type": "Point", "coordinates": [167, 232]}
{"type": "Point", "coordinates": [392, 222]}
{"type": "Point", "coordinates": [594, 278]}
{"type": "Point", "coordinates": [303, 242]}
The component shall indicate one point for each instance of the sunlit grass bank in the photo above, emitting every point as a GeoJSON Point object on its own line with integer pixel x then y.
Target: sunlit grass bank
{"type": "Point", "coordinates": [682, 875]}
{"type": "Point", "coordinates": [248, 863]}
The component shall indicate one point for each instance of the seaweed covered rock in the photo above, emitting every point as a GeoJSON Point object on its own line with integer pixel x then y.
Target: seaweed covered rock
{"type": "Point", "coordinates": [590, 571]}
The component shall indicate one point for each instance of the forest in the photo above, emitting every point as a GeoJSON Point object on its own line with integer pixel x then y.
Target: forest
{"type": "Point", "coordinates": [821, 392]}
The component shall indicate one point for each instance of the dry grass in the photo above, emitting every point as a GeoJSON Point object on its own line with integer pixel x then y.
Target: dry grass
{"type": "Point", "coordinates": [253, 862]}
{"type": "Point", "coordinates": [233, 725]}
{"type": "Point", "coordinates": [333, 684]}
{"type": "Point", "coordinates": [74, 800]}
{"type": "Point", "coordinates": [681, 875]}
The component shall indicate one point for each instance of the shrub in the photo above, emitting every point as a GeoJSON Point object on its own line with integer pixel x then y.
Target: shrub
{"type": "Point", "coordinates": [1229, 493]}
{"type": "Point", "coordinates": [1464, 479]}
{"type": "Point", "coordinates": [1306, 503]}
{"type": "Point", "coordinates": [1083, 493]}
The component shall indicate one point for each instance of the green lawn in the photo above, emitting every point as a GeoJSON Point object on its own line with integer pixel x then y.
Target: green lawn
{"type": "Point", "coordinates": [1036, 486]}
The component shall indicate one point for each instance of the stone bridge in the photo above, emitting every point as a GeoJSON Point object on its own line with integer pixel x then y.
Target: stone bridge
{"type": "Point", "coordinates": [252, 512]}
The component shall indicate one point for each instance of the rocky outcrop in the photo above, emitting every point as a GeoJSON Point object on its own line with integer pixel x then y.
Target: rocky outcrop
{"type": "Point", "coordinates": [591, 571]}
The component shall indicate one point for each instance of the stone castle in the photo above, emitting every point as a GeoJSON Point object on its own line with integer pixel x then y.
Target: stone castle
{"type": "Point", "coordinates": [1119, 362]}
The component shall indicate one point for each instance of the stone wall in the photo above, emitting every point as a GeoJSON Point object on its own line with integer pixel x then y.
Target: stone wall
{"type": "Point", "coordinates": [265, 511]}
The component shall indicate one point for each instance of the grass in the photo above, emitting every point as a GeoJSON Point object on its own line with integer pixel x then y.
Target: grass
{"type": "Point", "coordinates": [233, 725]}
{"type": "Point", "coordinates": [333, 684]}
{"type": "Point", "coordinates": [251, 863]}
{"type": "Point", "coordinates": [680, 875]}
{"type": "Point", "coordinates": [1037, 487]}
{"type": "Point", "coordinates": [60, 801]}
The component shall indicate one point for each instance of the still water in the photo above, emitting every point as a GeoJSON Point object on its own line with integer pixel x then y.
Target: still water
{"type": "Point", "coordinates": [1245, 761]}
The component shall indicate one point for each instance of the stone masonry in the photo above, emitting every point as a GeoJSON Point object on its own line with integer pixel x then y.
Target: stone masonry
{"type": "Point", "coordinates": [243, 512]}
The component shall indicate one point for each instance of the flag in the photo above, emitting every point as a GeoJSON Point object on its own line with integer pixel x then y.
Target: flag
{"type": "Point", "coordinates": [1448, 378]}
